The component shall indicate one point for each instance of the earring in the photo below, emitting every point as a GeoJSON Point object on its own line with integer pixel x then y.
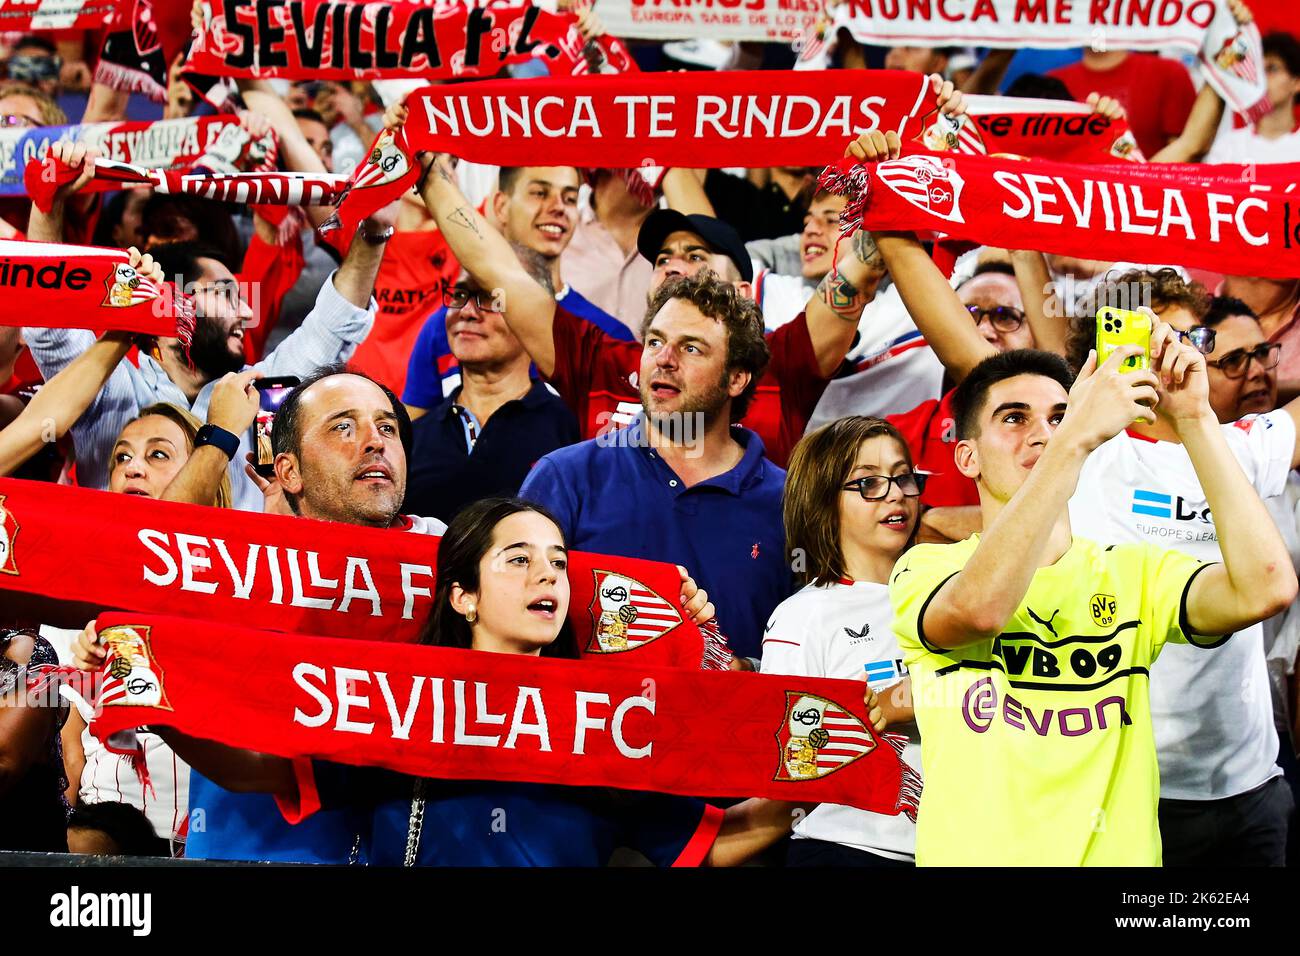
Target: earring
{"type": "Point", "coordinates": [472, 614]}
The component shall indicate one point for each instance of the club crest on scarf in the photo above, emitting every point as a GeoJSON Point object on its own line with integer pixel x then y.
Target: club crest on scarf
{"type": "Point", "coordinates": [126, 287]}
{"type": "Point", "coordinates": [625, 614]}
{"type": "Point", "coordinates": [387, 161]}
{"type": "Point", "coordinates": [1234, 55]}
{"type": "Point", "coordinates": [8, 537]}
{"type": "Point", "coordinates": [924, 182]}
{"type": "Point", "coordinates": [132, 677]}
{"type": "Point", "coordinates": [818, 737]}
{"type": "Point", "coordinates": [944, 133]}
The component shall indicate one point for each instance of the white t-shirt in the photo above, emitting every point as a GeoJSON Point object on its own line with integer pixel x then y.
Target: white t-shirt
{"type": "Point", "coordinates": [1211, 709]}
{"type": "Point", "coordinates": [894, 368]}
{"type": "Point", "coordinates": [781, 297]}
{"type": "Point", "coordinates": [844, 630]}
{"type": "Point", "coordinates": [1246, 146]}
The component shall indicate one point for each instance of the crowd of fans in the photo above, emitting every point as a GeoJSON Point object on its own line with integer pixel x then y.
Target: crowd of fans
{"type": "Point", "coordinates": [706, 375]}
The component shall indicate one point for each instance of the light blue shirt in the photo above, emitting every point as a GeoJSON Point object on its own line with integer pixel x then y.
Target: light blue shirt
{"type": "Point", "coordinates": [328, 335]}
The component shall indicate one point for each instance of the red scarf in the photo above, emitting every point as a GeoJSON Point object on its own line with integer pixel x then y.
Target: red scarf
{"type": "Point", "coordinates": [55, 286]}
{"type": "Point", "coordinates": [635, 120]}
{"type": "Point", "coordinates": [1059, 130]}
{"type": "Point", "coordinates": [328, 40]}
{"type": "Point", "coordinates": [472, 715]}
{"type": "Point", "coordinates": [1235, 220]}
{"type": "Point", "coordinates": [273, 188]}
{"type": "Point", "coordinates": [65, 15]}
{"type": "Point", "coordinates": [294, 574]}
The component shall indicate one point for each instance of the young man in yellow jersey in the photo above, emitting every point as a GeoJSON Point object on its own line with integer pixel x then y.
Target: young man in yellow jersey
{"type": "Point", "coordinates": [1030, 648]}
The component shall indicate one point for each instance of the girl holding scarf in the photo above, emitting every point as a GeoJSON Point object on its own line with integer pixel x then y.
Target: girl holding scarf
{"type": "Point", "coordinates": [852, 499]}
{"type": "Point", "coordinates": [501, 587]}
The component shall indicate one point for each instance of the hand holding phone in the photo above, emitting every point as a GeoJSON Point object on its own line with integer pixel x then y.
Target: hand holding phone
{"type": "Point", "coordinates": [1119, 327]}
{"type": "Point", "coordinates": [273, 392]}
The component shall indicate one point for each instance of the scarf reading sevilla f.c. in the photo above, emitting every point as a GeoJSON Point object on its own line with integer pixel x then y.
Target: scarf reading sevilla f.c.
{"type": "Point", "coordinates": [470, 715]}
{"type": "Point", "coordinates": [1235, 221]}
{"type": "Point", "coordinates": [296, 574]}
{"type": "Point", "coordinates": [331, 40]}
{"type": "Point", "coordinates": [50, 285]}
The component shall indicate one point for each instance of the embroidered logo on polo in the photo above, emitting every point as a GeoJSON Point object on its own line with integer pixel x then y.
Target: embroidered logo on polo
{"type": "Point", "coordinates": [818, 737]}
{"type": "Point", "coordinates": [625, 614]}
{"type": "Point", "coordinates": [8, 537]}
{"type": "Point", "coordinates": [133, 678]}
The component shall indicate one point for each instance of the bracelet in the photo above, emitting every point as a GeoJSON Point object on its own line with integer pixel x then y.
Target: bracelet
{"type": "Point", "coordinates": [376, 240]}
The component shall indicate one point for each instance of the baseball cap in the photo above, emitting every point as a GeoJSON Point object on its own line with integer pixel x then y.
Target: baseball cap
{"type": "Point", "coordinates": [717, 235]}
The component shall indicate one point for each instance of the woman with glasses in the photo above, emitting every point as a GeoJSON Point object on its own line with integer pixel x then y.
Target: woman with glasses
{"type": "Point", "coordinates": [852, 499]}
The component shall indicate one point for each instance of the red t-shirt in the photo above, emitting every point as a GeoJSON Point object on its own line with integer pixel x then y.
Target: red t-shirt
{"type": "Point", "coordinates": [1157, 93]}
{"type": "Point", "coordinates": [596, 376]}
{"type": "Point", "coordinates": [26, 378]}
{"type": "Point", "coordinates": [930, 431]}
{"type": "Point", "coordinates": [410, 282]}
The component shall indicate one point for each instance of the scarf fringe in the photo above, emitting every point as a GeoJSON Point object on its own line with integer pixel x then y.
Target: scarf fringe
{"type": "Point", "coordinates": [717, 654]}
{"type": "Point", "coordinates": [128, 80]}
{"type": "Point", "coordinates": [909, 786]}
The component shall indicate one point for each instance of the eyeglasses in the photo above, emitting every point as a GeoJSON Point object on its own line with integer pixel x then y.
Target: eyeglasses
{"type": "Point", "coordinates": [17, 119]}
{"type": "Point", "coordinates": [458, 298]}
{"type": "Point", "coordinates": [1200, 337]}
{"type": "Point", "coordinates": [1001, 317]}
{"type": "Point", "coordinates": [1234, 364]}
{"type": "Point", "coordinates": [876, 487]}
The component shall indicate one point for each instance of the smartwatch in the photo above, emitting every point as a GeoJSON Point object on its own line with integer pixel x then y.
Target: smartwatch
{"type": "Point", "coordinates": [217, 438]}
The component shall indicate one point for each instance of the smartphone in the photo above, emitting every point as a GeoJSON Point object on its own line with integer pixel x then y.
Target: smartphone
{"type": "Point", "coordinates": [272, 392]}
{"type": "Point", "coordinates": [1119, 327]}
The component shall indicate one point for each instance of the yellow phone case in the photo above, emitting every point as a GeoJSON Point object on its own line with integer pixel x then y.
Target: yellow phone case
{"type": "Point", "coordinates": [1117, 327]}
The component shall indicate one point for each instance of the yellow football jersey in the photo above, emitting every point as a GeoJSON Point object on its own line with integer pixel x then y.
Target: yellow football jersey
{"type": "Point", "coordinates": [1036, 746]}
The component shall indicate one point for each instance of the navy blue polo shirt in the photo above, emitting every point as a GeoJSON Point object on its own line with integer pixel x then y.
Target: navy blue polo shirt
{"type": "Point", "coordinates": [493, 823]}
{"type": "Point", "coordinates": [611, 495]}
{"type": "Point", "coordinates": [445, 475]}
{"type": "Point", "coordinates": [433, 372]}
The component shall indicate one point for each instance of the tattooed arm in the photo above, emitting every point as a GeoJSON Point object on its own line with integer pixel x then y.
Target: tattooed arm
{"type": "Point", "coordinates": [835, 308]}
{"type": "Point", "coordinates": [529, 309]}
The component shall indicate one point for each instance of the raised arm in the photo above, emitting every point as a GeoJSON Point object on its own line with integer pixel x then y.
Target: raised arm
{"type": "Point", "coordinates": [1042, 305]}
{"type": "Point", "coordinates": [295, 152]}
{"type": "Point", "coordinates": [976, 602]}
{"type": "Point", "coordinates": [487, 256]}
{"type": "Point", "coordinates": [233, 408]}
{"type": "Point", "coordinates": [1256, 579]}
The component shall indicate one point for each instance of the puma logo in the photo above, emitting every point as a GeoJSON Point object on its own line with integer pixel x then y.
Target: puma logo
{"type": "Point", "coordinates": [1048, 623]}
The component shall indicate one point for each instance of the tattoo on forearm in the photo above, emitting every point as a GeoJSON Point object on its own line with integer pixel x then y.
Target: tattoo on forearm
{"type": "Point", "coordinates": [463, 216]}
{"type": "Point", "coordinates": [841, 296]}
{"type": "Point", "coordinates": [864, 247]}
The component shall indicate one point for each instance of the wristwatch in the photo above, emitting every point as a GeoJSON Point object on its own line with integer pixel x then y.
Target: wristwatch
{"type": "Point", "coordinates": [376, 239]}
{"type": "Point", "coordinates": [217, 438]}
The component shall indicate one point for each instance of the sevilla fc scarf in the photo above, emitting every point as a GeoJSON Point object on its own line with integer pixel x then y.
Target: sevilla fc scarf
{"type": "Point", "coordinates": [56, 286]}
{"type": "Point", "coordinates": [471, 715]}
{"type": "Point", "coordinates": [333, 40]}
{"type": "Point", "coordinates": [1185, 214]}
{"type": "Point", "coordinates": [215, 143]}
{"type": "Point", "coordinates": [1231, 53]}
{"type": "Point", "coordinates": [273, 188]}
{"type": "Point", "coordinates": [38, 16]}
{"type": "Point", "coordinates": [294, 574]}
{"type": "Point", "coordinates": [635, 120]}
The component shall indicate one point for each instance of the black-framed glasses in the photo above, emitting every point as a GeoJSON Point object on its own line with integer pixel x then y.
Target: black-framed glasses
{"type": "Point", "coordinates": [1235, 363]}
{"type": "Point", "coordinates": [458, 298]}
{"type": "Point", "coordinates": [1002, 317]}
{"type": "Point", "coordinates": [1200, 337]}
{"type": "Point", "coordinates": [876, 487]}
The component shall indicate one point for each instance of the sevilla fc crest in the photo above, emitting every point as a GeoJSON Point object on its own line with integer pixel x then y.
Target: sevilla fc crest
{"type": "Point", "coordinates": [8, 535]}
{"type": "Point", "coordinates": [818, 737]}
{"type": "Point", "coordinates": [925, 182]}
{"type": "Point", "coordinates": [387, 161]}
{"type": "Point", "coordinates": [132, 677]}
{"type": "Point", "coordinates": [626, 614]}
{"type": "Point", "coordinates": [127, 287]}
{"type": "Point", "coordinates": [941, 133]}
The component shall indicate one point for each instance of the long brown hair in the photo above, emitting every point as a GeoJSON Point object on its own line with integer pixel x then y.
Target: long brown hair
{"type": "Point", "coordinates": [189, 426]}
{"type": "Point", "coordinates": [819, 466]}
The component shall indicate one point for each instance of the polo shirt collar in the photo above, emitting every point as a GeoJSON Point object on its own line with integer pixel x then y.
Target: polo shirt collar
{"type": "Point", "coordinates": [535, 397]}
{"type": "Point", "coordinates": [747, 472]}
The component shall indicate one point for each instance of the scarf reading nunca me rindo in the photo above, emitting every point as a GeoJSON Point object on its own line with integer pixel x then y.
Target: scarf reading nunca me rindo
{"type": "Point", "coordinates": [637, 712]}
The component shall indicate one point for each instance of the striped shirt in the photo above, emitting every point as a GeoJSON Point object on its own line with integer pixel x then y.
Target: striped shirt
{"type": "Point", "coordinates": [328, 335]}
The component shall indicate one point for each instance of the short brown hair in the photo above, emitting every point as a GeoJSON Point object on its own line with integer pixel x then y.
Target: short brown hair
{"type": "Point", "coordinates": [51, 113]}
{"type": "Point", "coordinates": [819, 466]}
{"type": "Point", "coordinates": [746, 342]}
{"type": "Point", "coordinates": [1160, 289]}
